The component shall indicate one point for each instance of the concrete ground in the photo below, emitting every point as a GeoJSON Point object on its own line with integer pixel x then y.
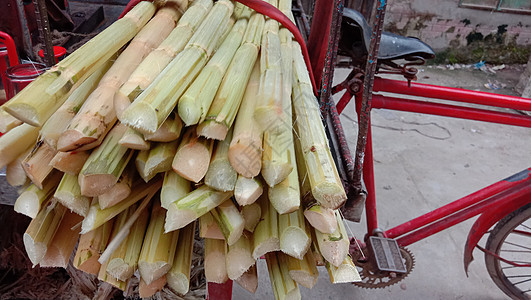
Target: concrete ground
{"type": "Point", "coordinates": [421, 163]}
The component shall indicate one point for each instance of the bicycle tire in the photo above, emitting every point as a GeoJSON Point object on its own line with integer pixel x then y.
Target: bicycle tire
{"type": "Point", "coordinates": [495, 242]}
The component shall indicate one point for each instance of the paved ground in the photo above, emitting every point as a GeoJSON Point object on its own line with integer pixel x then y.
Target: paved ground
{"type": "Point", "coordinates": [421, 163]}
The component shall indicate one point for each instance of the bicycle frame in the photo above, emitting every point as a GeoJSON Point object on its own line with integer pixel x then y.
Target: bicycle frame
{"type": "Point", "coordinates": [499, 194]}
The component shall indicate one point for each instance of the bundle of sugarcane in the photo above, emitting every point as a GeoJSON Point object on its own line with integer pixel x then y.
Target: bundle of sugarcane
{"type": "Point", "coordinates": [214, 94]}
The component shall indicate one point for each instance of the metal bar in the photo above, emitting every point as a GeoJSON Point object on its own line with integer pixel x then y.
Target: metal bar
{"type": "Point", "coordinates": [453, 111]}
{"type": "Point", "coordinates": [520, 190]}
{"type": "Point", "coordinates": [368, 178]}
{"type": "Point", "coordinates": [452, 94]}
{"type": "Point", "coordinates": [44, 30]}
{"type": "Point", "coordinates": [219, 291]}
{"type": "Point", "coordinates": [319, 36]}
{"type": "Point", "coordinates": [460, 204]}
{"type": "Point", "coordinates": [26, 36]}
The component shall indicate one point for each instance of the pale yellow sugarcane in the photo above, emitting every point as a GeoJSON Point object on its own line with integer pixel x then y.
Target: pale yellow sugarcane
{"type": "Point", "coordinates": [284, 287]}
{"type": "Point", "coordinates": [68, 193]}
{"type": "Point", "coordinates": [70, 162]}
{"type": "Point", "coordinates": [63, 243]}
{"type": "Point", "coordinates": [16, 141]}
{"type": "Point", "coordinates": [174, 188]}
{"type": "Point", "coordinates": [29, 203]}
{"type": "Point", "coordinates": [179, 274]}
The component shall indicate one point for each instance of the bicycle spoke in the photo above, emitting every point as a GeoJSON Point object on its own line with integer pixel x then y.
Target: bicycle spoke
{"type": "Point", "coordinates": [515, 276]}
{"type": "Point", "coordinates": [525, 226]}
{"type": "Point", "coordinates": [528, 248]}
{"type": "Point", "coordinates": [522, 281]}
{"type": "Point", "coordinates": [518, 251]}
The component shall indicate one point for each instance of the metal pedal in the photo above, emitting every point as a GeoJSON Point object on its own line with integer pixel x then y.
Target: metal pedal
{"type": "Point", "coordinates": [387, 254]}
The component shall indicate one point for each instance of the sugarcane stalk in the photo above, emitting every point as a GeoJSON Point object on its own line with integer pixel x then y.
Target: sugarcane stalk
{"type": "Point", "coordinates": [91, 245]}
{"type": "Point", "coordinates": [192, 206]}
{"type": "Point", "coordinates": [39, 100]}
{"type": "Point", "coordinates": [158, 249]}
{"type": "Point", "coordinates": [326, 185]}
{"type": "Point", "coordinates": [156, 160]}
{"type": "Point", "coordinates": [41, 230]}
{"type": "Point", "coordinates": [133, 139]}
{"type": "Point", "coordinates": [344, 273]}
{"type": "Point", "coordinates": [154, 105]}
{"type": "Point", "coordinates": [276, 158]}
{"type": "Point", "coordinates": [16, 141]}
{"type": "Point", "coordinates": [105, 164]}
{"type": "Point", "coordinates": [322, 219]}
{"type": "Point", "coordinates": [303, 271]}
{"type": "Point", "coordinates": [149, 290]}
{"type": "Point", "coordinates": [284, 287]}
{"type": "Point", "coordinates": [192, 158]}
{"type": "Point", "coordinates": [30, 201]}
{"type": "Point", "coordinates": [285, 196]}
{"type": "Point", "coordinates": [104, 276]}
{"type": "Point", "coordinates": [98, 216]}
{"type": "Point", "coordinates": [159, 58]}
{"type": "Point", "coordinates": [59, 120]}
{"type": "Point", "coordinates": [7, 122]}
{"type": "Point", "coordinates": [37, 163]}
{"type": "Point", "coordinates": [15, 174]}
{"type": "Point", "coordinates": [229, 220]}
{"type": "Point", "coordinates": [307, 198]}
{"type": "Point", "coordinates": [249, 279]}
{"type": "Point", "coordinates": [228, 98]}
{"type": "Point", "coordinates": [68, 193]}
{"type": "Point", "coordinates": [174, 188]}
{"type": "Point", "coordinates": [70, 162]}
{"type": "Point", "coordinates": [314, 248]}
{"type": "Point", "coordinates": [179, 274]}
{"type": "Point", "coordinates": [239, 257]}
{"type": "Point", "coordinates": [209, 228]}
{"type": "Point", "coordinates": [63, 243]}
{"type": "Point", "coordinates": [245, 151]}
{"type": "Point", "coordinates": [247, 190]}
{"type": "Point", "coordinates": [295, 238]}
{"type": "Point", "coordinates": [334, 247]}
{"type": "Point", "coordinates": [120, 190]}
{"type": "Point", "coordinates": [169, 131]}
{"type": "Point", "coordinates": [97, 113]}
{"type": "Point", "coordinates": [215, 262]}
{"type": "Point", "coordinates": [266, 234]}
{"type": "Point", "coordinates": [220, 175]}
{"type": "Point", "coordinates": [195, 102]}
{"type": "Point", "coordinates": [252, 214]}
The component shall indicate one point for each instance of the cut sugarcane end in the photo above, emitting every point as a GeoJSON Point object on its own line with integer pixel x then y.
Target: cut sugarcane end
{"type": "Point", "coordinates": [97, 184]}
{"type": "Point", "coordinates": [35, 250]}
{"type": "Point", "coordinates": [28, 204]}
{"type": "Point", "coordinates": [192, 161]}
{"type": "Point", "coordinates": [270, 245]}
{"type": "Point", "coordinates": [322, 219]}
{"type": "Point", "coordinates": [77, 205]}
{"type": "Point", "coordinates": [295, 242]}
{"type": "Point", "coordinates": [178, 218]}
{"type": "Point", "coordinates": [117, 267]}
{"type": "Point", "coordinates": [275, 173]}
{"type": "Point", "coordinates": [72, 139]}
{"type": "Point", "coordinates": [212, 130]}
{"type": "Point", "coordinates": [247, 190]}
{"type": "Point", "coordinates": [24, 112]}
{"type": "Point", "coordinates": [178, 283]}
{"type": "Point", "coordinates": [189, 112]}
{"type": "Point", "coordinates": [221, 176]}
{"type": "Point", "coordinates": [247, 162]}
{"type": "Point", "coordinates": [281, 198]}
{"type": "Point", "coordinates": [142, 117]}
{"type": "Point", "coordinates": [329, 195]}
{"type": "Point", "coordinates": [345, 273]}
{"type": "Point", "coordinates": [153, 271]}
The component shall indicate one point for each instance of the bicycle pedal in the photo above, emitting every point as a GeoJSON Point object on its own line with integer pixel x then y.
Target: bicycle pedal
{"type": "Point", "coordinates": [387, 254]}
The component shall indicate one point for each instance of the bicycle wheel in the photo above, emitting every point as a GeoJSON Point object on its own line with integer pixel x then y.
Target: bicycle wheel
{"type": "Point", "coordinates": [511, 241]}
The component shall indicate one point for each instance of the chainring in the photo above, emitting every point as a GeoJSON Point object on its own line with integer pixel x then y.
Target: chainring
{"type": "Point", "coordinates": [372, 278]}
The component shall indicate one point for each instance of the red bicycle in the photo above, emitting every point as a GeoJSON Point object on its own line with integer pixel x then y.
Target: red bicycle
{"type": "Point", "coordinates": [504, 208]}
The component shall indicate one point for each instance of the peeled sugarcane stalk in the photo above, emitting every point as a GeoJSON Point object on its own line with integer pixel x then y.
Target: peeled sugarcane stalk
{"type": "Point", "coordinates": [266, 234]}
{"type": "Point", "coordinates": [169, 131]}
{"type": "Point", "coordinates": [159, 58]}
{"type": "Point", "coordinates": [123, 260]}
{"type": "Point", "coordinates": [276, 158]}
{"type": "Point", "coordinates": [38, 101]}
{"type": "Point", "coordinates": [157, 160]}
{"type": "Point", "coordinates": [41, 230]}
{"type": "Point", "coordinates": [15, 174]}
{"type": "Point", "coordinates": [334, 247]}
{"type": "Point", "coordinates": [37, 163]}
{"type": "Point", "coordinates": [195, 102]}
{"type": "Point", "coordinates": [220, 175]}
{"type": "Point", "coordinates": [133, 139]}
{"type": "Point", "coordinates": [97, 113]}
{"type": "Point", "coordinates": [239, 257]}
{"type": "Point", "coordinates": [154, 104]}
{"type": "Point", "coordinates": [192, 206]}
{"type": "Point", "coordinates": [158, 249]}
{"type": "Point", "coordinates": [249, 279]}
{"type": "Point", "coordinates": [344, 273]}
{"type": "Point", "coordinates": [215, 261]}
{"type": "Point", "coordinates": [70, 162]}
{"type": "Point", "coordinates": [104, 276]}
{"type": "Point", "coordinates": [295, 238]}
{"type": "Point", "coordinates": [245, 151]}
{"type": "Point", "coordinates": [16, 141]}
{"type": "Point", "coordinates": [30, 201]}
{"type": "Point", "coordinates": [284, 287]}
{"type": "Point", "coordinates": [120, 190]}
{"type": "Point", "coordinates": [59, 120]}
{"type": "Point", "coordinates": [247, 190]}
{"type": "Point", "coordinates": [97, 216]}
{"type": "Point", "coordinates": [174, 188]}
{"type": "Point", "coordinates": [314, 248]}
{"type": "Point", "coordinates": [229, 96]}
{"type": "Point", "coordinates": [303, 271]}
{"type": "Point", "coordinates": [179, 274]}
{"type": "Point", "coordinates": [285, 196]}
{"type": "Point", "coordinates": [252, 214]}
{"type": "Point", "coordinates": [105, 164]}
{"type": "Point", "coordinates": [326, 185]}
{"type": "Point", "coordinates": [193, 156]}
{"type": "Point", "coordinates": [63, 243]}
{"type": "Point", "coordinates": [229, 220]}
{"type": "Point", "coordinates": [148, 290]}
{"type": "Point", "coordinates": [90, 247]}
{"type": "Point", "coordinates": [322, 219]}
{"type": "Point", "coordinates": [7, 121]}
{"type": "Point", "coordinates": [68, 193]}
{"type": "Point", "coordinates": [209, 228]}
